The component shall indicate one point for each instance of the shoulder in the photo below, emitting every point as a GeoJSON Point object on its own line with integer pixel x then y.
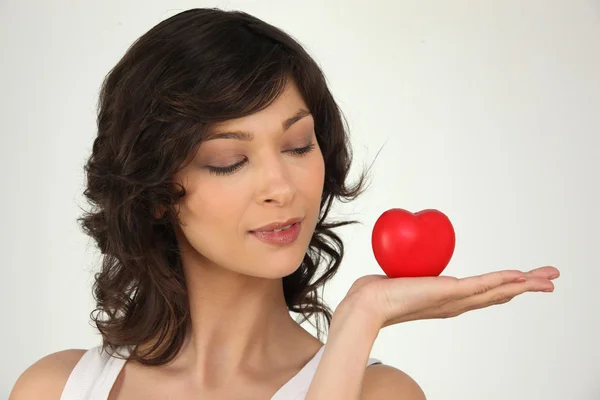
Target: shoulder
{"type": "Point", "coordinates": [46, 378]}
{"type": "Point", "coordinates": [383, 382]}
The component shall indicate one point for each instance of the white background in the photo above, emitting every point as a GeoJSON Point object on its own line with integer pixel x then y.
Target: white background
{"type": "Point", "coordinates": [489, 112]}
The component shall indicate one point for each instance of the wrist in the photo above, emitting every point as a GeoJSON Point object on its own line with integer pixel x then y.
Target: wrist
{"type": "Point", "coordinates": [342, 367]}
{"type": "Point", "coordinates": [355, 314]}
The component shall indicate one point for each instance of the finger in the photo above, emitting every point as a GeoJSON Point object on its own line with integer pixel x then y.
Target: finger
{"type": "Point", "coordinates": [500, 295]}
{"type": "Point", "coordinates": [478, 292]}
{"type": "Point", "coordinates": [547, 272]}
{"type": "Point", "coordinates": [478, 285]}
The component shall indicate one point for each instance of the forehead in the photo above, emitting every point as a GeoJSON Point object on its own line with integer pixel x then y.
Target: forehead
{"type": "Point", "coordinates": [286, 106]}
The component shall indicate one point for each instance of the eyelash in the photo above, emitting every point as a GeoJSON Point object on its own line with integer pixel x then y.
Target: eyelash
{"type": "Point", "coordinates": [232, 168]}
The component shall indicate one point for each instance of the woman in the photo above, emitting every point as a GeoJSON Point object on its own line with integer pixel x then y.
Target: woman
{"type": "Point", "coordinates": [219, 153]}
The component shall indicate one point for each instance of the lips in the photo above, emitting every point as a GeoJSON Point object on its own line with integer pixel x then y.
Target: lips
{"type": "Point", "coordinates": [284, 236]}
{"type": "Point", "coordinates": [277, 226]}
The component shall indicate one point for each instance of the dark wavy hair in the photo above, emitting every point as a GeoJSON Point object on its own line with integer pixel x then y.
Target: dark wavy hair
{"type": "Point", "coordinates": [191, 70]}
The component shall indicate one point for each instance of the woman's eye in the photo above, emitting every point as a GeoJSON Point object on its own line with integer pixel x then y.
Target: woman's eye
{"type": "Point", "coordinates": [225, 170]}
{"type": "Point", "coordinates": [303, 150]}
{"type": "Point", "coordinates": [232, 168]}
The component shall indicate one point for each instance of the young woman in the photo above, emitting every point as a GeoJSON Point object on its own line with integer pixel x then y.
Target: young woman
{"type": "Point", "coordinates": [219, 153]}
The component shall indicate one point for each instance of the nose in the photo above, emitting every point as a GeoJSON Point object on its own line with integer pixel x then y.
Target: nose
{"type": "Point", "coordinates": [275, 185]}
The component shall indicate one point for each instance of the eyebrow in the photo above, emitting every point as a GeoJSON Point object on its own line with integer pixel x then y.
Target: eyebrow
{"type": "Point", "coordinates": [248, 136]}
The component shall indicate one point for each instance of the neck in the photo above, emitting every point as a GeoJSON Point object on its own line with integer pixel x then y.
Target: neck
{"type": "Point", "coordinates": [234, 317]}
{"type": "Point", "coordinates": [237, 322]}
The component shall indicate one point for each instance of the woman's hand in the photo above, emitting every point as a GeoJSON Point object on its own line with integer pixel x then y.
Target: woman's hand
{"type": "Point", "coordinates": [376, 301]}
{"type": "Point", "coordinates": [391, 301]}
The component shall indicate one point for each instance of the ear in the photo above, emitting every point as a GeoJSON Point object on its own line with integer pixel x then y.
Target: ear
{"type": "Point", "coordinates": [160, 212]}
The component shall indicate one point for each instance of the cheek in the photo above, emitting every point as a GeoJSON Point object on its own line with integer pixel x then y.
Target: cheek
{"type": "Point", "coordinates": [213, 208]}
{"type": "Point", "coordinates": [312, 178]}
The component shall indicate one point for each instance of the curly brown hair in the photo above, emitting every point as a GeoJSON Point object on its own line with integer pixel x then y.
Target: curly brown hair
{"type": "Point", "coordinates": [197, 68]}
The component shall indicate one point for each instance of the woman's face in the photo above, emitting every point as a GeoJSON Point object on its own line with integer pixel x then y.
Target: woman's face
{"type": "Point", "coordinates": [251, 172]}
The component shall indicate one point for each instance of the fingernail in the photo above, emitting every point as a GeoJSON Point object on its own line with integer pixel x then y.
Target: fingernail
{"type": "Point", "coordinates": [521, 279]}
{"type": "Point", "coordinates": [548, 290]}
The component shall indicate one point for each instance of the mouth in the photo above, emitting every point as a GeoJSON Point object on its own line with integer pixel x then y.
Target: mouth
{"type": "Point", "coordinates": [279, 234]}
{"type": "Point", "coordinates": [282, 229]}
{"type": "Point", "coordinates": [278, 226]}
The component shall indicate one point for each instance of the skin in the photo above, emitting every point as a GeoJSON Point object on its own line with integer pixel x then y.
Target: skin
{"type": "Point", "coordinates": [375, 301]}
{"type": "Point", "coordinates": [242, 342]}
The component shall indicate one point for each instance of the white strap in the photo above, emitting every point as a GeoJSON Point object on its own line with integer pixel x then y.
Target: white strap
{"type": "Point", "coordinates": [93, 377]}
{"type": "Point", "coordinates": [297, 387]}
{"type": "Point", "coordinates": [299, 382]}
{"type": "Point", "coordinates": [106, 381]}
{"type": "Point", "coordinates": [82, 377]}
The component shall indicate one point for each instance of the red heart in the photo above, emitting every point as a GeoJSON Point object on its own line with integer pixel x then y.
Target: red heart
{"type": "Point", "coordinates": [409, 245]}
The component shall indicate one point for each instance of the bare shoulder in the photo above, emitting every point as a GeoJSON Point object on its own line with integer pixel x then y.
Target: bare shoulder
{"type": "Point", "coordinates": [383, 382]}
{"type": "Point", "coordinates": [46, 378]}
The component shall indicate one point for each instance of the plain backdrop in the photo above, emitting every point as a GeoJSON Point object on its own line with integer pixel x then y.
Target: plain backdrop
{"type": "Point", "coordinates": [486, 110]}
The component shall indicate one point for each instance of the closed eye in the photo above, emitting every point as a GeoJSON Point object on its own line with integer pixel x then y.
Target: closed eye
{"type": "Point", "coordinates": [303, 150]}
{"type": "Point", "coordinates": [226, 170]}
{"type": "Point", "coordinates": [232, 168]}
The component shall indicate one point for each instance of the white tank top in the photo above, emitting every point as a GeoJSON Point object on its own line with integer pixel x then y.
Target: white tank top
{"type": "Point", "coordinates": [95, 374]}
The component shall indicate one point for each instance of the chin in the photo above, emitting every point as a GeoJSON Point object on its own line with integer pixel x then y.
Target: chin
{"type": "Point", "coordinates": [280, 270]}
{"type": "Point", "coordinates": [273, 261]}
{"type": "Point", "coordinates": [276, 266]}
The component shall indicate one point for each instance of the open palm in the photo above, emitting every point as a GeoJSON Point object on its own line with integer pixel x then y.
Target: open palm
{"type": "Point", "coordinates": [395, 300]}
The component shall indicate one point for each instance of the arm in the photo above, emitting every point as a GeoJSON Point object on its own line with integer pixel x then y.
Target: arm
{"type": "Point", "coordinates": [343, 372]}
{"type": "Point", "coordinates": [375, 301]}
{"type": "Point", "coordinates": [46, 378]}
